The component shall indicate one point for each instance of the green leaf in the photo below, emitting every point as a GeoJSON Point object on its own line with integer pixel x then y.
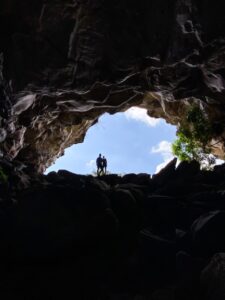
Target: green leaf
{"type": "Point", "coordinates": [3, 176]}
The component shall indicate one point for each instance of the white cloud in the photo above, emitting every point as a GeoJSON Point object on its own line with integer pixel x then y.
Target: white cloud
{"type": "Point", "coordinates": [140, 115]}
{"type": "Point", "coordinates": [91, 164]}
{"type": "Point", "coordinates": [163, 149]}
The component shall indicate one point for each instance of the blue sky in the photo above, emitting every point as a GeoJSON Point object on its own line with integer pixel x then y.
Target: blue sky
{"type": "Point", "coordinates": [132, 142]}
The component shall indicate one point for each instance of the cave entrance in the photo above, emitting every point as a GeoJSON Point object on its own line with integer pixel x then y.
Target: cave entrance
{"type": "Point", "coordinates": [131, 141]}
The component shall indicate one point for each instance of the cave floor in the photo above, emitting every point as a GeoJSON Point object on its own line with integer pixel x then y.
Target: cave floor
{"type": "Point", "coordinates": [65, 235]}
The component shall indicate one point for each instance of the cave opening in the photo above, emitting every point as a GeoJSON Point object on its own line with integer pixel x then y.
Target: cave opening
{"type": "Point", "coordinates": [63, 65]}
{"type": "Point", "coordinates": [131, 141]}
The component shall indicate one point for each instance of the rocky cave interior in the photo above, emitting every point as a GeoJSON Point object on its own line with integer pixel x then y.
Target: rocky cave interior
{"type": "Point", "coordinates": [64, 63]}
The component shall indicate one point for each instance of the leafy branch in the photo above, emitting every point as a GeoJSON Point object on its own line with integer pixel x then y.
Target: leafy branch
{"type": "Point", "coordinates": [194, 135]}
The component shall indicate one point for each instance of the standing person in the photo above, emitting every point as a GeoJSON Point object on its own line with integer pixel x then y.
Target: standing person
{"type": "Point", "coordinates": [104, 164]}
{"type": "Point", "coordinates": [99, 164]}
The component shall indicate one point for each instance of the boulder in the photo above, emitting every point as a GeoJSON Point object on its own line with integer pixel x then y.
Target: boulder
{"type": "Point", "coordinates": [187, 169]}
{"type": "Point", "coordinates": [166, 174]}
{"type": "Point", "coordinates": [213, 278]}
{"type": "Point", "coordinates": [208, 234]}
{"type": "Point", "coordinates": [157, 254]}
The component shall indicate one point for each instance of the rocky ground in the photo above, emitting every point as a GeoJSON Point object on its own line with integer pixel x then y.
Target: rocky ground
{"type": "Point", "coordinates": [69, 236]}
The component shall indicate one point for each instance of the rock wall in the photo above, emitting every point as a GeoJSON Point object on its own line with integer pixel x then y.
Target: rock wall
{"type": "Point", "coordinates": [67, 62]}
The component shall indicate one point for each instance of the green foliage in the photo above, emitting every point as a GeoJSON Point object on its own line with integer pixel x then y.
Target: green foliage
{"type": "Point", "coordinates": [201, 128]}
{"type": "Point", "coordinates": [3, 176]}
{"type": "Point", "coordinates": [193, 135]}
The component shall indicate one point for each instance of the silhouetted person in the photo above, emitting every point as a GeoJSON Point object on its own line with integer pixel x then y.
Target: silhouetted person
{"type": "Point", "coordinates": [99, 165]}
{"type": "Point", "coordinates": [104, 164]}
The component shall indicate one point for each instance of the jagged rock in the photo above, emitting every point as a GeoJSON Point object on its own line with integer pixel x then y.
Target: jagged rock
{"type": "Point", "coordinates": [188, 274]}
{"type": "Point", "coordinates": [142, 179]}
{"type": "Point", "coordinates": [183, 241]}
{"type": "Point", "coordinates": [111, 179]}
{"type": "Point", "coordinates": [187, 169]}
{"type": "Point", "coordinates": [67, 62]}
{"type": "Point", "coordinates": [156, 252]}
{"type": "Point", "coordinates": [180, 187]}
{"type": "Point", "coordinates": [208, 233]}
{"type": "Point", "coordinates": [124, 205]}
{"type": "Point", "coordinates": [213, 278]}
{"type": "Point", "coordinates": [121, 237]}
{"type": "Point", "coordinates": [166, 174]}
{"type": "Point", "coordinates": [160, 212]}
{"type": "Point", "coordinates": [61, 217]}
{"type": "Point", "coordinates": [208, 200]}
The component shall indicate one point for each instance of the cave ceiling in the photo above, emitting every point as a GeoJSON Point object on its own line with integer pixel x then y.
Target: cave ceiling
{"type": "Point", "coordinates": [65, 63]}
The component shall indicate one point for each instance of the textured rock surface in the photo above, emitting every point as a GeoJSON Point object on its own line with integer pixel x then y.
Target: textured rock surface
{"type": "Point", "coordinates": [65, 235]}
{"type": "Point", "coordinates": [65, 63]}
{"type": "Point", "coordinates": [213, 278]}
{"type": "Point", "coordinates": [68, 62]}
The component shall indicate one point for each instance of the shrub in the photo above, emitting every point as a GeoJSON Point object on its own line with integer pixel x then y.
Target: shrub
{"type": "Point", "coordinates": [193, 135]}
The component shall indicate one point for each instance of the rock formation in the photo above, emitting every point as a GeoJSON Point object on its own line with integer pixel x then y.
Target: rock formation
{"type": "Point", "coordinates": [65, 235]}
{"type": "Point", "coordinates": [67, 62]}
{"type": "Point", "coordinates": [63, 63]}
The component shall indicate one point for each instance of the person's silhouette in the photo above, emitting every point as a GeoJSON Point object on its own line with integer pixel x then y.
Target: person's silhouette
{"type": "Point", "coordinates": [104, 164]}
{"type": "Point", "coordinates": [99, 164]}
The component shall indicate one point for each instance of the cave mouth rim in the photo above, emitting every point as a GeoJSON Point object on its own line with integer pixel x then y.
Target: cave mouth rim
{"type": "Point", "coordinates": [140, 118]}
